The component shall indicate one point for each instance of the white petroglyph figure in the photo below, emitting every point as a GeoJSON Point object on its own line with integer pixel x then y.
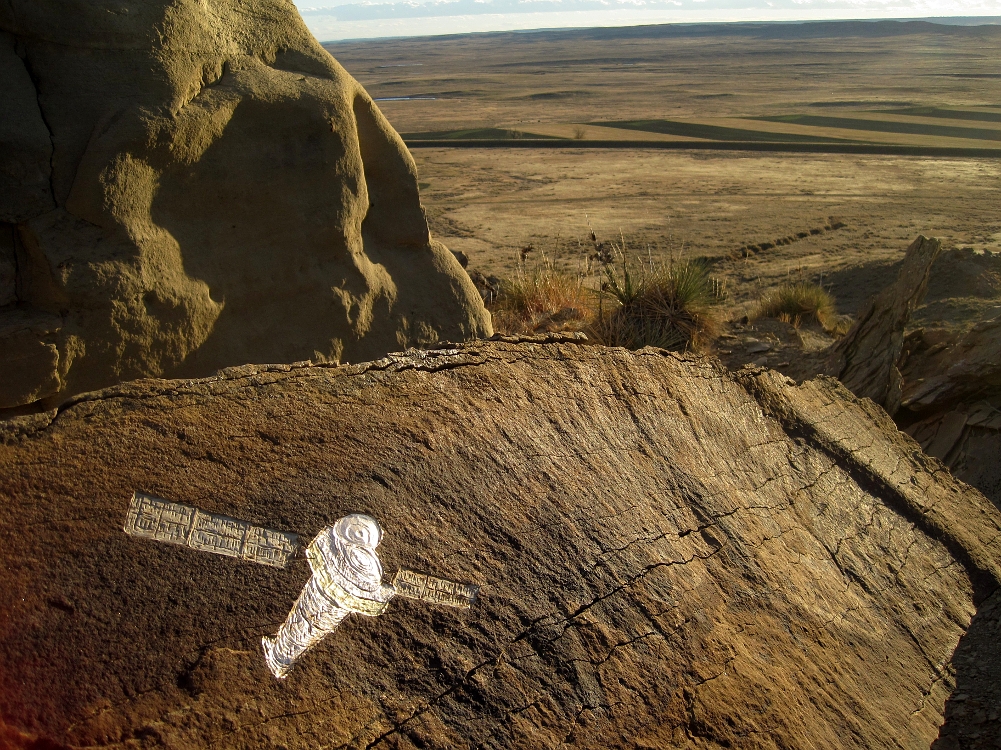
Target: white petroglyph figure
{"type": "Point", "coordinates": [346, 572]}
{"type": "Point", "coordinates": [347, 577]}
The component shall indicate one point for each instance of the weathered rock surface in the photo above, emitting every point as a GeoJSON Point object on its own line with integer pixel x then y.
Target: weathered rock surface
{"type": "Point", "coordinates": [867, 358]}
{"type": "Point", "coordinates": [670, 556]}
{"type": "Point", "coordinates": [192, 184]}
{"type": "Point", "coordinates": [952, 396]}
{"type": "Point", "coordinates": [960, 369]}
{"type": "Point", "coordinates": [942, 382]}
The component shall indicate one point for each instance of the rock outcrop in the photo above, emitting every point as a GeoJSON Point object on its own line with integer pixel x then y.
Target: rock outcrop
{"type": "Point", "coordinates": [867, 358]}
{"type": "Point", "coordinates": [670, 555]}
{"type": "Point", "coordinates": [959, 369]}
{"type": "Point", "coordinates": [193, 184]}
{"type": "Point", "coordinates": [942, 383]}
{"type": "Point", "coordinates": [952, 398]}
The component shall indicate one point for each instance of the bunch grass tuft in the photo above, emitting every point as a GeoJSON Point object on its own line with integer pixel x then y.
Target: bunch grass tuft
{"type": "Point", "coordinates": [675, 307]}
{"type": "Point", "coordinates": [802, 302]}
{"type": "Point", "coordinates": [544, 298]}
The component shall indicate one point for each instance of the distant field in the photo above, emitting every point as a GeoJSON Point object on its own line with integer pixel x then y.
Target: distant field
{"type": "Point", "coordinates": [913, 126]}
{"type": "Point", "coordinates": [888, 85]}
{"type": "Point", "coordinates": [706, 131]}
{"type": "Point", "coordinates": [473, 133]}
{"type": "Point", "coordinates": [863, 128]}
{"type": "Point", "coordinates": [949, 114]}
{"type": "Point", "coordinates": [877, 126]}
{"type": "Point", "coordinates": [910, 84]}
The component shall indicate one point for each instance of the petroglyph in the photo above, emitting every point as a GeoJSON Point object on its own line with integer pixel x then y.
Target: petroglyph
{"type": "Point", "coordinates": [434, 590]}
{"type": "Point", "coordinates": [347, 577]}
{"type": "Point", "coordinates": [165, 521]}
{"type": "Point", "coordinates": [347, 573]}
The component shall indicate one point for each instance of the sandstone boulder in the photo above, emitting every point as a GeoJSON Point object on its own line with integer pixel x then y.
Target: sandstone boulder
{"type": "Point", "coordinates": [670, 556]}
{"type": "Point", "coordinates": [193, 184]}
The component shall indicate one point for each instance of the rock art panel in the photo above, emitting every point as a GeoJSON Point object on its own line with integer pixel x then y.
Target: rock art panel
{"type": "Point", "coordinates": [671, 555]}
{"type": "Point", "coordinates": [195, 184]}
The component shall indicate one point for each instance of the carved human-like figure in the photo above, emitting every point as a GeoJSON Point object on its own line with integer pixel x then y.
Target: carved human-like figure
{"type": "Point", "coordinates": [347, 577]}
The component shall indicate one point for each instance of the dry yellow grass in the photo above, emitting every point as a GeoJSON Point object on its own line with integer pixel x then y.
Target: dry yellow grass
{"type": "Point", "coordinates": [676, 306]}
{"type": "Point", "coordinates": [802, 302]}
{"type": "Point", "coordinates": [543, 298]}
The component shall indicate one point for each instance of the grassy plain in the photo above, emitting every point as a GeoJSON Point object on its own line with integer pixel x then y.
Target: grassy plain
{"type": "Point", "coordinates": [889, 82]}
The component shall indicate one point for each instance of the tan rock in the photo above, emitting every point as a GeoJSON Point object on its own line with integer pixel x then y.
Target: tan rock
{"type": "Point", "coordinates": [25, 146]}
{"type": "Point", "coordinates": [867, 358]}
{"type": "Point", "coordinates": [670, 556]}
{"type": "Point", "coordinates": [8, 266]}
{"type": "Point", "coordinates": [224, 192]}
{"type": "Point", "coordinates": [961, 369]}
{"type": "Point", "coordinates": [31, 357]}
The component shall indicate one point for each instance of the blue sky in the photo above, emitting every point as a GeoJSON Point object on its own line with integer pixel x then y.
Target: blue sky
{"type": "Point", "coordinates": [330, 20]}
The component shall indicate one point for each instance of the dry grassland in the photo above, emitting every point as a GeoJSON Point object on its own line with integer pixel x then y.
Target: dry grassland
{"type": "Point", "coordinates": [807, 79]}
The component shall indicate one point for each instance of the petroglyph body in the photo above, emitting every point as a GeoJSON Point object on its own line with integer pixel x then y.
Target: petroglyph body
{"type": "Point", "coordinates": [347, 577]}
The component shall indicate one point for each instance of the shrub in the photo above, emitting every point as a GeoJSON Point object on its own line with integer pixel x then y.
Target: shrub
{"type": "Point", "coordinates": [673, 307]}
{"type": "Point", "coordinates": [544, 298]}
{"type": "Point", "coordinates": [796, 303]}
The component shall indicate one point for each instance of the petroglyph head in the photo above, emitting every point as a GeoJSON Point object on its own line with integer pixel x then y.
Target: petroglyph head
{"type": "Point", "coordinates": [344, 557]}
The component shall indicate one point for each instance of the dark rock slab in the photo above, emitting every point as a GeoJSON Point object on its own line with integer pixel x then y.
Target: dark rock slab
{"type": "Point", "coordinates": [670, 555]}
{"type": "Point", "coordinates": [867, 358]}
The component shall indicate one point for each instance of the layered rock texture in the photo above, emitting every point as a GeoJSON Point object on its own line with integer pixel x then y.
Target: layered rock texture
{"type": "Point", "coordinates": [867, 358]}
{"type": "Point", "coordinates": [670, 556]}
{"type": "Point", "coordinates": [941, 383]}
{"type": "Point", "coordinates": [192, 184]}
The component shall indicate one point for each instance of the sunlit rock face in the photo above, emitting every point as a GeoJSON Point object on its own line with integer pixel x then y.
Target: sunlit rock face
{"type": "Point", "coordinates": [669, 555]}
{"type": "Point", "coordinates": [193, 184]}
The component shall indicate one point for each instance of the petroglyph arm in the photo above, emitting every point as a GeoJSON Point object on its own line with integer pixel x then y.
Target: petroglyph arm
{"type": "Point", "coordinates": [154, 518]}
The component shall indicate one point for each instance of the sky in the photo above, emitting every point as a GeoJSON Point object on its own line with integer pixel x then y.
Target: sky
{"type": "Point", "coordinates": [332, 20]}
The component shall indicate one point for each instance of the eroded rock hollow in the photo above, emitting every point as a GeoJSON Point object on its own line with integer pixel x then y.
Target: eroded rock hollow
{"type": "Point", "coordinates": [193, 184]}
{"type": "Point", "coordinates": [669, 555]}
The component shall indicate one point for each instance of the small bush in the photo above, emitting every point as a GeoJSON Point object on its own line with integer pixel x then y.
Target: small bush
{"type": "Point", "coordinates": [673, 307]}
{"type": "Point", "coordinates": [803, 302]}
{"type": "Point", "coordinates": [544, 298]}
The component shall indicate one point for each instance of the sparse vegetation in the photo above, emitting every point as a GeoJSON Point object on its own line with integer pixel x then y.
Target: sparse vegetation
{"type": "Point", "coordinates": [677, 307]}
{"type": "Point", "coordinates": [544, 298]}
{"type": "Point", "coordinates": [800, 303]}
{"type": "Point", "coordinates": [674, 306]}
{"type": "Point", "coordinates": [579, 132]}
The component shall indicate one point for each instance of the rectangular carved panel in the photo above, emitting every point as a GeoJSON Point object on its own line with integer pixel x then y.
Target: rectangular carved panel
{"type": "Point", "coordinates": [164, 521]}
{"type": "Point", "coordinates": [436, 590]}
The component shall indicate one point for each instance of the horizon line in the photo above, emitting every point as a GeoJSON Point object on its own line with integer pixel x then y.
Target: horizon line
{"type": "Point", "coordinates": [943, 20]}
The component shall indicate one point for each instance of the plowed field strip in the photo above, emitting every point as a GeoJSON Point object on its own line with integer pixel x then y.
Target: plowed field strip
{"type": "Point", "coordinates": [878, 149]}
{"type": "Point", "coordinates": [880, 126]}
{"type": "Point", "coordinates": [716, 132]}
{"type": "Point", "coordinates": [947, 114]}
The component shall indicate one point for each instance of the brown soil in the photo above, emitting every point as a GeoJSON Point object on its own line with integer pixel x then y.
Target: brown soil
{"type": "Point", "coordinates": [491, 203]}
